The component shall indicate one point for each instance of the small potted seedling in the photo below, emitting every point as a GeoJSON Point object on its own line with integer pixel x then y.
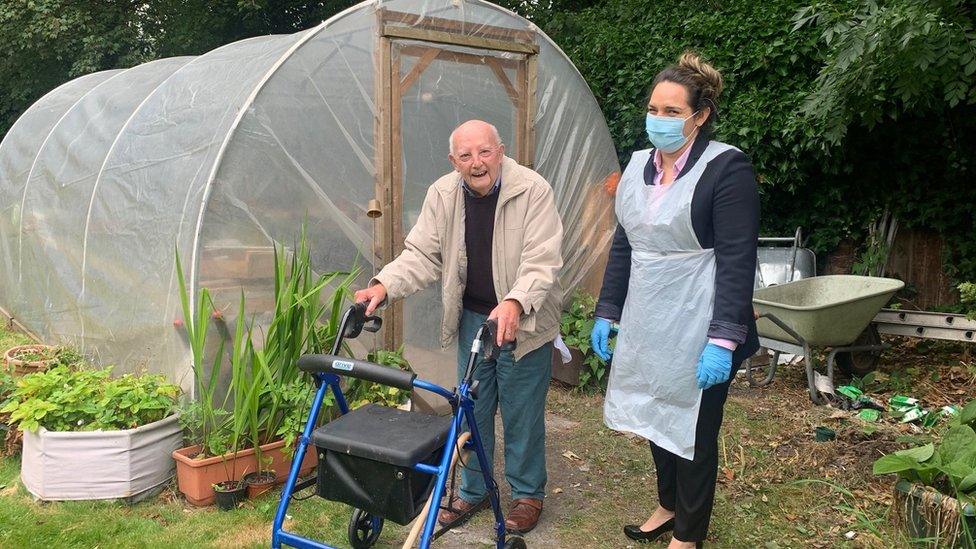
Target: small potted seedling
{"type": "Point", "coordinates": [229, 493]}
{"type": "Point", "coordinates": [262, 480]}
{"type": "Point", "coordinates": [232, 491]}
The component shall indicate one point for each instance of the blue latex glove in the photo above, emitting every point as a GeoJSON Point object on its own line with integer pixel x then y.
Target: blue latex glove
{"type": "Point", "coordinates": [714, 366]}
{"type": "Point", "coordinates": [599, 338]}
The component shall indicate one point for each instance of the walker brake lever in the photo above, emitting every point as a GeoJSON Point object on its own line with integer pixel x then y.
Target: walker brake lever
{"type": "Point", "coordinates": [373, 324]}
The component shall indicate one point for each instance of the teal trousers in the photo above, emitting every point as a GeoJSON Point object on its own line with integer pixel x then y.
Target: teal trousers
{"type": "Point", "coordinates": [518, 389]}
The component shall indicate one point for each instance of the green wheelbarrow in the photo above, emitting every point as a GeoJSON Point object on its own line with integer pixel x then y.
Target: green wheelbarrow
{"type": "Point", "coordinates": [830, 313]}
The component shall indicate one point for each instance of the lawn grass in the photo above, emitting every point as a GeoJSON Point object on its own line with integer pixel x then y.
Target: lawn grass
{"type": "Point", "coordinates": [10, 338]}
{"type": "Point", "coordinates": [165, 521]}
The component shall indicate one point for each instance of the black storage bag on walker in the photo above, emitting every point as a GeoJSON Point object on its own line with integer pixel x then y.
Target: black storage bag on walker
{"type": "Point", "coordinates": [366, 459]}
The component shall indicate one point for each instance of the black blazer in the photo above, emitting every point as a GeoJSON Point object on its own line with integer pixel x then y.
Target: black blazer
{"type": "Point", "coordinates": [725, 216]}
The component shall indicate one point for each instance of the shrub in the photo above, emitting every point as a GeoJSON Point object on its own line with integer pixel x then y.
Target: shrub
{"type": "Point", "coordinates": [846, 107]}
{"type": "Point", "coordinates": [66, 398]}
{"type": "Point", "coordinates": [575, 327]}
{"type": "Point", "coordinates": [967, 296]}
{"type": "Point", "coordinates": [948, 466]}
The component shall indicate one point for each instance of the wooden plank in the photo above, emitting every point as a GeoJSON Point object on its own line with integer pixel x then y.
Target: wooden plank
{"type": "Point", "coordinates": [532, 78]}
{"type": "Point", "coordinates": [396, 181]}
{"type": "Point", "coordinates": [14, 323]}
{"type": "Point", "coordinates": [396, 108]}
{"type": "Point", "coordinates": [441, 37]}
{"type": "Point", "coordinates": [521, 155]}
{"type": "Point", "coordinates": [425, 60]}
{"type": "Point", "coordinates": [454, 26]}
{"type": "Point", "coordinates": [383, 228]}
{"type": "Point", "coordinates": [456, 56]}
{"type": "Point", "coordinates": [513, 94]}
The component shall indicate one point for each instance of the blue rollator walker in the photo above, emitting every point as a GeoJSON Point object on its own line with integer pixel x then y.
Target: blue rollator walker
{"type": "Point", "coordinates": [387, 462]}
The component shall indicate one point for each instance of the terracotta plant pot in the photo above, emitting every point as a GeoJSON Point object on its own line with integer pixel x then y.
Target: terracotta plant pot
{"type": "Point", "coordinates": [21, 366]}
{"type": "Point", "coordinates": [229, 494]}
{"type": "Point", "coordinates": [259, 483]}
{"type": "Point", "coordinates": [196, 477]}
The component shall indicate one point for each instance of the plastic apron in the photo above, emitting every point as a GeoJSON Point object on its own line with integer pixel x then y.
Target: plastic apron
{"type": "Point", "coordinates": [653, 389]}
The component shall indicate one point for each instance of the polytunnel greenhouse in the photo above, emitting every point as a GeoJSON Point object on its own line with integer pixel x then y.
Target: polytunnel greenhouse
{"type": "Point", "coordinates": [223, 155]}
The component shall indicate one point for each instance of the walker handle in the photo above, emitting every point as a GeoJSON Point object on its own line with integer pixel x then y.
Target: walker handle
{"type": "Point", "coordinates": [360, 321]}
{"type": "Point", "coordinates": [489, 335]}
{"type": "Point", "coordinates": [359, 369]}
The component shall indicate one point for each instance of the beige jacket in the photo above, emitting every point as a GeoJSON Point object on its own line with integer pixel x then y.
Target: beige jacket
{"type": "Point", "coordinates": [526, 254]}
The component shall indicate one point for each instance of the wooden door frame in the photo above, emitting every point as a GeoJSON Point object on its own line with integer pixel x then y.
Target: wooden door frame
{"type": "Point", "coordinates": [433, 32]}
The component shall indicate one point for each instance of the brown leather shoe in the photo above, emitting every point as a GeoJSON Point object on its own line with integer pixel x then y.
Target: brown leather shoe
{"type": "Point", "coordinates": [457, 508]}
{"type": "Point", "coordinates": [523, 516]}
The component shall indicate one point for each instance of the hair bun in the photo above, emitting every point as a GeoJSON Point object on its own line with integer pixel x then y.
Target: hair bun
{"type": "Point", "coordinates": [711, 78]}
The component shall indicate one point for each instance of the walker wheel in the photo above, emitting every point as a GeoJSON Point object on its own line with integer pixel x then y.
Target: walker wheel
{"type": "Point", "coordinates": [514, 542]}
{"type": "Point", "coordinates": [364, 529]}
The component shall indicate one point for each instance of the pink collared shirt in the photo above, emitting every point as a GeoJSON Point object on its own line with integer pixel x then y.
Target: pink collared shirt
{"type": "Point", "coordinates": [679, 165]}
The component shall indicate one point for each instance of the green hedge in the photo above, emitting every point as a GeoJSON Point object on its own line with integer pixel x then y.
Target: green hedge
{"type": "Point", "coordinates": [844, 109]}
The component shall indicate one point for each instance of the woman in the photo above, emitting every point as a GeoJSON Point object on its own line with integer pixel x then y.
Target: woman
{"type": "Point", "coordinates": [679, 280]}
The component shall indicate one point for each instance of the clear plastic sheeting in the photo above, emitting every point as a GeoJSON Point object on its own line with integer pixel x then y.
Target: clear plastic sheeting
{"type": "Point", "coordinates": [222, 156]}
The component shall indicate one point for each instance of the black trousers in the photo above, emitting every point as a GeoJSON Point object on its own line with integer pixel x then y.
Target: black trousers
{"type": "Point", "coordinates": [687, 487]}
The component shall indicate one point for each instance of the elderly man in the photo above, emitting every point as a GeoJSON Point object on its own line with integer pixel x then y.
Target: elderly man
{"type": "Point", "coordinates": [490, 232]}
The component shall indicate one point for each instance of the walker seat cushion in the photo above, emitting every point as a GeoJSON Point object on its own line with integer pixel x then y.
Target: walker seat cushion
{"type": "Point", "coordinates": [383, 434]}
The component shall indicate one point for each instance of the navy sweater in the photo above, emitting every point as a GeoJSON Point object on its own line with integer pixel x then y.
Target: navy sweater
{"type": "Point", "coordinates": [725, 216]}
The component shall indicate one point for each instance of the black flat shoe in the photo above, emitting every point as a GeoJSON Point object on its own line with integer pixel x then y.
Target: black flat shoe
{"type": "Point", "coordinates": [634, 532]}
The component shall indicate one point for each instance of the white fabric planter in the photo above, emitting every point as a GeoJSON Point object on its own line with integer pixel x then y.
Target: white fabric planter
{"type": "Point", "coordinates": [100, 464]}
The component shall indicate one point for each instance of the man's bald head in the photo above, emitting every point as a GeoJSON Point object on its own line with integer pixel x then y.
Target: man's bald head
{"type": "Point", "coordinates": [475, 129]}
{"type": "Point", "coordinates": [477, 153]}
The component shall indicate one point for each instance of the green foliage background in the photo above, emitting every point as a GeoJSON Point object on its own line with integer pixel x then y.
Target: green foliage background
{"type": "Point", "coordinates": [847, 107]}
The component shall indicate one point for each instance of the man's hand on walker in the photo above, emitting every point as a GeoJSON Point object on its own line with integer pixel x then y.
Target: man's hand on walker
{"type": "Point", "coordinates": [374, 295]}
{"type": "Point", "coordinates": [507, 315]}
{"type": "Point", "coordinates": [714, 366]}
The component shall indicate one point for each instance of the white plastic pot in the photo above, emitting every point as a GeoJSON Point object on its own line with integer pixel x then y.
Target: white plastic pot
{"type": "Point", "coordinates": [127, 464]}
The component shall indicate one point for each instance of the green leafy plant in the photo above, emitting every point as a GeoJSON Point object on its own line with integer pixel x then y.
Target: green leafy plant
{"type": "Point", "coordinates": [267, 395]}
{"type": "Point", "coordinates": [293, 331]}
{"type": "Point", "coordinates": [948, 465]}
{"type": "Point", "coordinates": [6, 385]}
{"type": "Point", "coordinates": [967, 296]}
{"type": "Point", "coordinates": [359, 392]}
{"type": "Point", "coordinates": [575, 326]}
{"type": "Point", "coordinates": [838, 103]}
{"type": "Point", "coordinates": [65, 398]}
{"type": "Point", "coordinates": [205, 419]}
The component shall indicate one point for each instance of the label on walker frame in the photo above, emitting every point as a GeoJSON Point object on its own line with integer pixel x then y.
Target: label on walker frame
{"type": "Point", "coordinates": [342, 365]}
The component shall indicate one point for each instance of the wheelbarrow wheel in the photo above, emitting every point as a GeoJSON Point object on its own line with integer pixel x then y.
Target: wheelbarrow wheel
{"type": "Point", "coordinates": [862, 363]}
{"type": "Point", "coordinates": [364, 529]}
{"type": "Point", "coordinates": [514, 542]}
